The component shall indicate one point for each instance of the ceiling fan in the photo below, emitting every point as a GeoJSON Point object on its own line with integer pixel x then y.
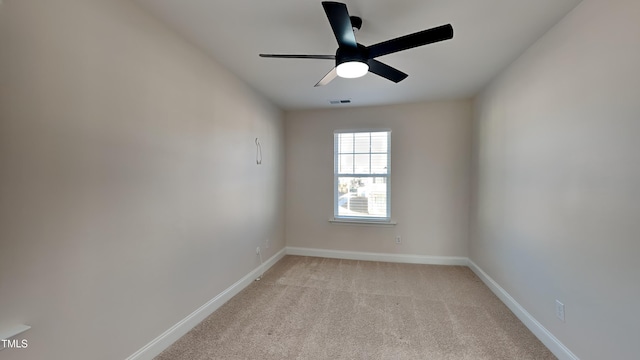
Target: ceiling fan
{"type": "Point", "coordinates": [355, 60]}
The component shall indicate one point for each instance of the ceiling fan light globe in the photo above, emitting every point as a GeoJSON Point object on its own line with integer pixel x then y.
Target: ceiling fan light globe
{"type": "Point", "coordinates": [352, 69]}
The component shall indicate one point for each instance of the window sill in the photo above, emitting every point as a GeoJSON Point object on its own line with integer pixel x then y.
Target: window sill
{"type": "Point", "coordinates": [362, 222]}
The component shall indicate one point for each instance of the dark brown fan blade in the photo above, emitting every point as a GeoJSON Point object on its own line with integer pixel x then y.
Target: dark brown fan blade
{"type": "Point", "coordinates": [327, 78]}
{"type": "Point", "coordinates": [286, 56]}
{"type": "Point", "coordinates": [440, 33]}
{"type": "Point", "coordinates": [386, 71]}
{"type": "Point", "coordinates": [340, 23]}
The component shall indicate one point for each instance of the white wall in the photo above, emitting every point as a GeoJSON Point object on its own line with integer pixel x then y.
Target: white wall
{"type": "Point", "coordinates": [557, 201]}
{"type": "Point", "coordinates": [430, 157]}
{"type": "Point", "coordinates": [129, 193]}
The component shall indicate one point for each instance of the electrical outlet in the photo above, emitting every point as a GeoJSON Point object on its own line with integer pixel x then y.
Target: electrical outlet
{"type": "Point", "coordinates": [560, 310]}
{"type": "Point", "coordinates": [398, 240]}
{"type": "Point", "coordinates": [258, 250]}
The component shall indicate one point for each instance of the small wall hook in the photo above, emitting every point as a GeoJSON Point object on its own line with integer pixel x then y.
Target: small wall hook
{"type": "Point", "coordinates": [258, 152]}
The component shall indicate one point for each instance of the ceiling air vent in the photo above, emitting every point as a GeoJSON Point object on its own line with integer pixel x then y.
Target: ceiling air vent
{"type": "Point", "coordinates": [338, 102]}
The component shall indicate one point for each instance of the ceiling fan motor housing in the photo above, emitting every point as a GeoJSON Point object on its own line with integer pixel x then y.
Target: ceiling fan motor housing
{"type": "Point", "coordinates": [347, 54]}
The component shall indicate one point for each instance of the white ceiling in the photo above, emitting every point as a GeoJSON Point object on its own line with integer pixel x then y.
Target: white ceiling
{"type": "Point", "coordinates": [488, 36]}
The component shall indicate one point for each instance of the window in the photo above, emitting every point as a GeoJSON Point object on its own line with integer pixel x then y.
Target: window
{"type": "Point", "coordinates": [361, 175]}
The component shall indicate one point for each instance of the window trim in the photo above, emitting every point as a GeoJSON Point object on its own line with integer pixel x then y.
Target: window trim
{"type": "Point", "coordinates": [361, 219]}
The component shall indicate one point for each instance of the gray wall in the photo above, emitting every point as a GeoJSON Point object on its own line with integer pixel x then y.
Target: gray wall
{"type": "Point", "coordinates": [129, 192]}
{"type": "Point", "coordinates": [430, 157]}
{"type": "Point", "coordinates": [557, 201]}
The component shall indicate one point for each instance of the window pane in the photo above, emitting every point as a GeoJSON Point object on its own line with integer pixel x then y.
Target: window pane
{"type": "Point", "coordinates": [362, 164]}
{"type": "Point", "coordinates": [362, 197]}
{"type": "Point", "coordinates": [379, 142]}
{"type": "Point", "coordinates": [378, 163]}
{"type": "Point", "coordinates": [345, 165]}
{"type": "Point", "coordinates": [345, 143]}
{"type": "Point", "coordinates": [362, 142]}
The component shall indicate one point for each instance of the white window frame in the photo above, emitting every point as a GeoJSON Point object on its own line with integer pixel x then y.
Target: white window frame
{"type": "Point", "coordinates": [360, 219]}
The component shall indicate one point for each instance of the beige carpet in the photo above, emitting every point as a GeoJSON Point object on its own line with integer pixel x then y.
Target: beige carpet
{"type": "Point", "coordinates": [315, 308]}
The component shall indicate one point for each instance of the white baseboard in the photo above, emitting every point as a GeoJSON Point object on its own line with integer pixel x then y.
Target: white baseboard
{"type": "Point", "coordinates": [547, 338]}
{"type": "Point", "coordinates": [157, 345]}
{"type": "Point", "coordinates": [367, 256]}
